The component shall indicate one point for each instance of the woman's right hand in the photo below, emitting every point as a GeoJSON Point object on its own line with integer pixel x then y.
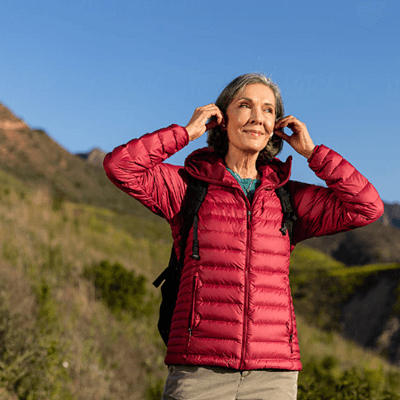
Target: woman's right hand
{"type": "Point", "coordinates": [198, 123]}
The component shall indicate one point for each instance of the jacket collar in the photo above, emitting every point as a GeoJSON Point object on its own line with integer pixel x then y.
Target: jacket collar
{"type": "Point", "coordinates": [206, 165]}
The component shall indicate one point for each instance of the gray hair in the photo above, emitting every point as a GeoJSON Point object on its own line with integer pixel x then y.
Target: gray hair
{"type": "Point", "coordinates": [218, 138]}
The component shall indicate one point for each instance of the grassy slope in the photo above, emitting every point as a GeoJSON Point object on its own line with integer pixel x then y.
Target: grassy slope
{"type": "Point", "coordinates": [321, 286]}
{"type": "Point", "coordinates": [47, 249]}
{"type": "Point", "coordinates": [58, 341]}
{"type": "Point", "coordinates": [36, 159]}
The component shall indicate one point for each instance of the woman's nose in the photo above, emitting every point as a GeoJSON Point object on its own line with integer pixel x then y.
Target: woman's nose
{"type": "Point", "coordinates": [255, 116]}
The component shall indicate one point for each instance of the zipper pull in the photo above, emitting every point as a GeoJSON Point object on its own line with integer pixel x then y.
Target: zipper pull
{"type": "Point", "coordinates": [248, 219]}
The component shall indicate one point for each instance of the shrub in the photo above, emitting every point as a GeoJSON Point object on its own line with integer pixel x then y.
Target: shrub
{"type": "Point", "coordinates": [318, 381]}
{"type": "Point", "coordinates": [119, 288]}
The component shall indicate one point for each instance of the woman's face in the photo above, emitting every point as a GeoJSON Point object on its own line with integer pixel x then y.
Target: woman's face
{"type": "Point", "coordinates": [251, 118]}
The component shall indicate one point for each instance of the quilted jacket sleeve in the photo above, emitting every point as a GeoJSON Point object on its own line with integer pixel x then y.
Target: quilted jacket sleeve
{"type": "Point", "coordinates": [349, 201]}
{"type": "Point", "coordinates": [137, 168]}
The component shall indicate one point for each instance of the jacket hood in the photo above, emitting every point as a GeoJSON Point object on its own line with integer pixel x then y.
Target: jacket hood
{"type": "Point", "coordinates": [205, 164]}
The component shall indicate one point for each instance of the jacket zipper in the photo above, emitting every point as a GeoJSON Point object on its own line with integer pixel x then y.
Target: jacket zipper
{"type": "Point", "coordinates": [191, 316]}
{"type": "Point", "coordinates": [246, 288]}
{"type": "Point", "coordinates": [290, 323]}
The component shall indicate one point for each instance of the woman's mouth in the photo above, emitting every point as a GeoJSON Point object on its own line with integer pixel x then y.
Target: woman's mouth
{"type": "Point", "coordinates": [254, 133]}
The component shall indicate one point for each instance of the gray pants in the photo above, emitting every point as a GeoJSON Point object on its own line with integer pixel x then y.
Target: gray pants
{"type": "Point", "coordinates": [191, 382]}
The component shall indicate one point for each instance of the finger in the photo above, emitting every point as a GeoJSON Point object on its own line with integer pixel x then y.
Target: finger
{"type": "Point", "coordinates": [220, 117]}
{"type": "Point", "coordinates": [282, 135]}
{"type": "Point", "coordinates": [285, 121]}
{"type": "Point", "coordinates": [216, 116]}
{"type": "Point", "coordinates": [215, 121]}
{"type": "Point", "coordinates": [294, 125]}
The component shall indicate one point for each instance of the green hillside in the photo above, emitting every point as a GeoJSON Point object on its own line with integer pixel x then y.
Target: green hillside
{"type": "Point", "coordinates": [315, 275]}
{"type": "Point", "coordinates": [323, 290]}
{"type": "Point", "coordinates": [78, 312]}
{"type": "Point", "coordinates": [36, 159]}
{"type": "Point", "coordinates": [58, 340]}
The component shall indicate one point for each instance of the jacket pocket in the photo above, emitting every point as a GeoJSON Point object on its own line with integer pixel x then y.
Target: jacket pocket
{"type": "Point", "coordinates": [290, 323]}
{"type": "Point", "coordinates": [192, 305]}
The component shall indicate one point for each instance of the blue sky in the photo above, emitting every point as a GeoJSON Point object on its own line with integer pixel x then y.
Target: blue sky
{"type": "Point", "coordinates": [96, 73]}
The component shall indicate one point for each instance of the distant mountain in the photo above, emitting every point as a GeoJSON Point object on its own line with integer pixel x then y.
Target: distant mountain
{"type": "Point", "coordinates": [34, 157]}
{"type": "Point", "coordinates": [391, 216]}
{"type": "Point", "coordinates": [95, 157]}
{"type": "Point", "coordinates": [375, 243]}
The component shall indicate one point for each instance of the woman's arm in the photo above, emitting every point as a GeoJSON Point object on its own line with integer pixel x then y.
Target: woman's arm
{"type": "Point", "coordinates": [349, 201]}
{"type": "Point", "coordinates": [137, 168]}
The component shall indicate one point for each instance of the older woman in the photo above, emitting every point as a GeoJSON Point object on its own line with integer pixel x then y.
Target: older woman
{"type": "Point", "coordinates": [233, 333]}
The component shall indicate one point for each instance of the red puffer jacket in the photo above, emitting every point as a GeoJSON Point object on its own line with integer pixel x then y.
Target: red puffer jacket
{"type": "Point", "coordinates": [234, 307]}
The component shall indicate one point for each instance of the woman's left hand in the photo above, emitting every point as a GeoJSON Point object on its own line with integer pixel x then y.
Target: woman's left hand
{"type": "Point", "coordinates": [300, 139]}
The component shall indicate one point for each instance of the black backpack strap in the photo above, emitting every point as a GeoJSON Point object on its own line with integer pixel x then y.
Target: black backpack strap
{"type": "Point", "coordinates": [195, 194]}
{"type": "Point", "coordinates": [195, 248]}
{"type": "Point", "coordinates": [167, 271]}
{"type": "Point", "coordinates": [289, 217]}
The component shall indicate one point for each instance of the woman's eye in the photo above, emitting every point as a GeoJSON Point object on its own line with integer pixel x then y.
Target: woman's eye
{"type": "Point", "coordinates": [244, 105]}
